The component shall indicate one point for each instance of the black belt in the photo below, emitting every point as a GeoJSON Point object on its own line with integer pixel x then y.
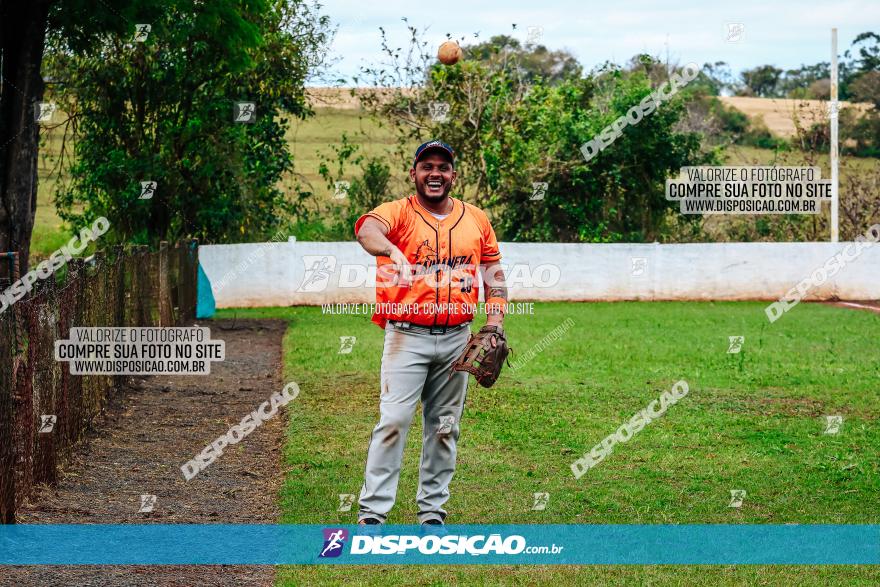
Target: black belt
{"type": "Point", "coordinates": [437, 329]}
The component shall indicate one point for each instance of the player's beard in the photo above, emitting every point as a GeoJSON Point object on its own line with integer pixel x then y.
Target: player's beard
{"type": "Point", "coordinates": [422, 190]}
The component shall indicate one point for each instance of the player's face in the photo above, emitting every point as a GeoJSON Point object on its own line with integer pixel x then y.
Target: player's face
{"type": "Point", "coordinates": [433, 176]}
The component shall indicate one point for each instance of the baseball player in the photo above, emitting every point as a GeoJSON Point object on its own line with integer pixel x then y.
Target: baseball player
{"type": "Point", "coordinates": [429, 247]}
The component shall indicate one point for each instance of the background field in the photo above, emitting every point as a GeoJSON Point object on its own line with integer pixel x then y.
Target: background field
{"type": "Point", "coordinates": [312, 140]}
{"type": "Point", "coordinates": [752, 421]}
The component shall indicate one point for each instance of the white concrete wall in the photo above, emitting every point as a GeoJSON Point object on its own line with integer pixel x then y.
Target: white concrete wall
{"type": "Point", "coordinates": [272, 274]}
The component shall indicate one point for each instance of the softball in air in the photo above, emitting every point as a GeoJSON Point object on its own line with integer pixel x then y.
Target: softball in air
{"type": "Point", "coordinates": [449, 53]}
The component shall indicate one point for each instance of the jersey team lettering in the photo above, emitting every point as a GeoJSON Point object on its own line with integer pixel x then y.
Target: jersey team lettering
{"type": "Point", "coordinates": [444, 254]}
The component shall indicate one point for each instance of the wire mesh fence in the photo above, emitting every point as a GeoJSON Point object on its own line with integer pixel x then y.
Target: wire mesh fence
{"type": "Point", "coordinates": [44, 410]}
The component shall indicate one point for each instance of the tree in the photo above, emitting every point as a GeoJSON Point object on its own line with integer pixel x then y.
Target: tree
{"type": "Point", "coordinates": [762, 81]}
{"type": "Point", "coordinates": [197, 109]}
{"type": "Point", "coordinates": [869, 52]}
{"type": "Point", "coordinates": [512, 131]}
{"type": "Point", "coordinates": [80, 24]}
{"type": "Point", "coordinates": [535, 61]}
{"type": "Point", "coordinates": [866, 88]}
{"type": "Point", "coordinates": [23, 27]}
{"type": "Point", "coordinates": [715, 79]}
{"type": "Point", "coordinates": [807, 81]}
{"type": "Point", "coordinates": [22, 31]}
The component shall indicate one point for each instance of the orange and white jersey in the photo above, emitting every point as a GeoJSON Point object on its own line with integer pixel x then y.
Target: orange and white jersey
{"type": "Point", "coordinates": [445, 254]}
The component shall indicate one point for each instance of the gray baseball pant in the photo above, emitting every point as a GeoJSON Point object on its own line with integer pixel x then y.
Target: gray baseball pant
{"type": "Point", "coordinates": [416, 365]}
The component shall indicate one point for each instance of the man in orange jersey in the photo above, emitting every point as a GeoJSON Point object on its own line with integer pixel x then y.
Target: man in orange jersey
{"type": "Point", "coordinates": [429, 248]}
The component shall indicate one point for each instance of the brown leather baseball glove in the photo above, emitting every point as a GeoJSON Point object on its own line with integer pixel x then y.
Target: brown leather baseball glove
{"type": "Point", "coordinates": [480, 358]}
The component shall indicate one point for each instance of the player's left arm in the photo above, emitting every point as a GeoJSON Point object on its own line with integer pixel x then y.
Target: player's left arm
{"type": "Point", "coordinates": [496, 292]}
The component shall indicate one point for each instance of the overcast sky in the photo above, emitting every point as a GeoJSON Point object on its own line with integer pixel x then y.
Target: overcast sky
{"type": "Point", "coordinates": [784, 33]}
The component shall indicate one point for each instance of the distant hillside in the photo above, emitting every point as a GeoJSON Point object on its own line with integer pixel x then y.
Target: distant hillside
{"type": "Point", "coordinates": [776, 112]}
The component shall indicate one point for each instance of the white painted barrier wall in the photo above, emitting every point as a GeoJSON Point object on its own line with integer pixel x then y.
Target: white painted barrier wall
{"type": "Point", "coordinates": [310, 273]}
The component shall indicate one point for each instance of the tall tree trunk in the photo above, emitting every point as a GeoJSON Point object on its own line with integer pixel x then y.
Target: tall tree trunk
{"type": "Point", "coordinates": [22, 36]}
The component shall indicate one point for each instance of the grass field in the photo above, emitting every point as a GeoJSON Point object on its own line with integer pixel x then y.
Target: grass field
{"type": "Point", "coordinates": [752, 421]}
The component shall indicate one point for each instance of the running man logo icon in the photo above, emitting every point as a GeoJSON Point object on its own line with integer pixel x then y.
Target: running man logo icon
{"type": "Point", "coordinates": [736, 497]}
{"type": "Point", "coordinates": [141, 32]}
{"type": "Point", "coordinates": [539, 189]}
{"type": "Point", "coordinates": [341, 190]}
{"type": "Point", "coordinates": [833, 424]}
{"type": "Point", "coordinates": [346, 500]}
{"type": "Point", "coordinates": [43, 111]}
{"type": "Point", "coordinates": [147, 503]}
{"type": "Point", "coordinates": [735, 32]}
{"type": "Point", "coordinates": [334, 541]}
{"type": "Point", "coordinates": [541, 500]}
{"type": "Point", "coordinates": [148, 188]}
{"type": "Point", "coordinates": [319, 268]}
{"type": "Point", "coordinates": [47, 423]}
{"type": "Point", "coordinates": [736, 344]}
{"type": "Point", "coordinates": [245, 112]}
{"type": "Point", "coordinates": [639, 266]}
{"type": "Point", "coordinates": [534, 35]}
{"type": "Point", "coordinates": [439, 111]}
{"type": "Point", "coordinates": [346, 344]}
{"type": "Point", "coordinates": [446, 424]}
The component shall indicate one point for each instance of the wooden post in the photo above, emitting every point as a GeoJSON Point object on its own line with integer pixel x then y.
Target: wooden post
{"type": "Point", "coordinates": [166, 316]}
{"type": "Point", "coordinates": [835, 189]}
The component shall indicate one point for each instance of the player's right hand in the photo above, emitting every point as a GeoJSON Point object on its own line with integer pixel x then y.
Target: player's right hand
{"type": "Point", "coordinates": [402, 267]}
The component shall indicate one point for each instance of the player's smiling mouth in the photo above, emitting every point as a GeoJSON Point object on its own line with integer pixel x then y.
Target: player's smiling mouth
{"type": "Point", "coordinates": [435, 185]}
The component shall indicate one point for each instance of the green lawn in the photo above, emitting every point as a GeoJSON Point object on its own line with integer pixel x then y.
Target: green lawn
{"type": "Point", "coordinates": [752, 421]}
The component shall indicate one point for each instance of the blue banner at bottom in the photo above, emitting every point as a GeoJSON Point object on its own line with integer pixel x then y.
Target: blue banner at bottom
{"type": "Point", "coordinates": [233, 544]}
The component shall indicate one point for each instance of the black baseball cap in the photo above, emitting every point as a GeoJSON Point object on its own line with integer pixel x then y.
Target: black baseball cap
{"type": "Point", "coordinates": [434, 145]}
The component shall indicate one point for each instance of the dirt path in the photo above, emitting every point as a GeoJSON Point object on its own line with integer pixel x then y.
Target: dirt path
{"type": "Point", "coordinates": [147, 433]}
